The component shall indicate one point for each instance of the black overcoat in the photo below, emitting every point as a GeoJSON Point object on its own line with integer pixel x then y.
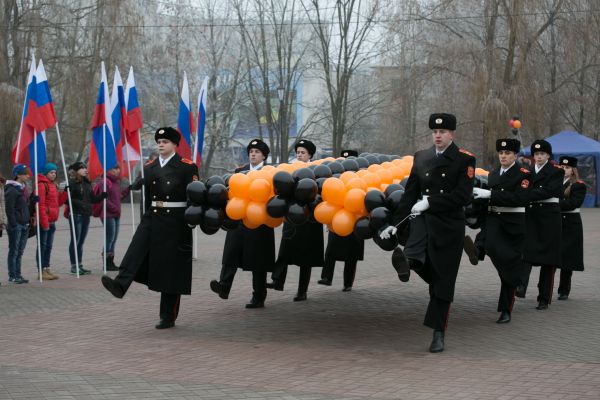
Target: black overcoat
{"type": "Point", "coordinates": [572, 228]}
{"type": "Point", "coordinates": [344, 248]}
{"type": "Point", "coordinates": [302, 245]}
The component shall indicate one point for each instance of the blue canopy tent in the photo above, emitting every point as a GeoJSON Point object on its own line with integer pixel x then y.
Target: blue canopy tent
{"type": "Point", "coordinates": [587, 151]}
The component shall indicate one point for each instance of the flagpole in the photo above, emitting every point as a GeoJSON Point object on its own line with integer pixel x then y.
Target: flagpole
{"type": "Point", "coordinates": [104, 191]}
{"type": "Point", "coordinates": [71, 218]}
{"type": "Point", "coordinates": [142, 171]}
{"type": "Point", "coordinates": [130, 191]}
{"type": "Point", "coordinates": [37, 204]}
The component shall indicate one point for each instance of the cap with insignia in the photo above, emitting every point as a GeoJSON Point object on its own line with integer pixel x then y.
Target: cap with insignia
{"type": "Point", "coordinates": [308, 145]}
{"type": "Point", "coordinates": [167, 133]}
{"type": "Point", "coordinates": [568, 161]}
{"type": "Point", "coordinates": [260, 146]}
{"type": "Point", "coordinates": [508, 144]}
{"type": "Point", "coordinates": [349, 153]}
{"type": "Point", "coordinates": [442, 121]}
{"type": "Point", "coordinates": [541, 145]}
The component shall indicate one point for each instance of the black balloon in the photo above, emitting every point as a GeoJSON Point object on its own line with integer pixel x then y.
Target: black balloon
{"type": "Point", "coordinates": [297, 214]}
{"type": "Point", "coordinates": [326, 163]}
{"type": "Point", "coordinates": [229, 224]}
{"type": "Point", "coordinates": [217, 196]}
{"type": "Point", "coordinates": [385, 244]}
{"type": "Point", "coordinates": [314, 203]}
{"type": "Point", "coordinates": [320, 182]}
{"type": "Point", "coordinates": [382, 158]}
{"type": "Point", "coordinates": [350, 165]}
{"type": "Point", "coordinates": [362, 162]}
{"type": "Point", "coordinates": [226, 179]}
{"type": "Point", "coordinates": [372, 159]}
{"type": "Point", "coordinates": [215, 179]}
{"type": "Point", "coordinates": [363, 154]}
{"type": "Point", "coordinates": [336, 167]}
{"type": "Point", "coordinates": [303, 173]}
{"type": "Point", "coordinates": [392, 188]}
{"type": "Point", "coordinates": [395, 157]}
{"type": "Point", "coordinates": [362, 229]}
{"type": "Point", "coordinates": [277, 207]}
{"type": "Point", "coordinates": [306, 190]}
{"type": "Point", "coordinates": [284, 184]}
{"type": "Point", "coordinates": [193, 215]}
{"type": "Point", "coordinates": [393, 200]}
{"type": "Point", "coordinates": [322, 171]}
{"type": "Point", "coordinates": [213, 218]}
{"type": "Point", "coordinates": [196, 192]}
{"type": "Point", "coordinates": [312, 167]}
{"type": "Point", "coordinates": [379, 217]}
{"type": "Point", "coordinates": [208, 230]}
{"type": "Point", "coordinates": [374, 199]}
{"type": "Point", "coordinates": [403, 182]}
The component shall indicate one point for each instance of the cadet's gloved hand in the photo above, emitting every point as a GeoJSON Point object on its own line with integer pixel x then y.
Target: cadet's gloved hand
{"type": "Point", "coordinates": [479, 193]}
{"type": "Point", "coordinates": [388, 232]}
{"type": "Point", "coordinates": [420, 206]}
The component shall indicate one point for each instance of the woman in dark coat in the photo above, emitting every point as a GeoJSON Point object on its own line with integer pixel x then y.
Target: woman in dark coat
{"type": "Point", "coordinates": [572, 228]}
{"type": "Point", "coordinates": [301, 245]}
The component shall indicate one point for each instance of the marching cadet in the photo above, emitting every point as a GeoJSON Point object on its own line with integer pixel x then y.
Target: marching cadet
{"type": "Point", "coordinates": [505, 223]}
{"type": "Point", "coordinates": [148, 259]}
{"type": "Point", "coordinates": [439, 186]}
{"type": "Point", "coordinates": [249, 249]}
{"type": "Point", "coordinates": [543, 219]}
{"type": "Point", "coordinates": [349, 249]}
{"type": "Point", "coordinates": [572, 228]}
{"type": "Point", "coordinates": [301, 245]}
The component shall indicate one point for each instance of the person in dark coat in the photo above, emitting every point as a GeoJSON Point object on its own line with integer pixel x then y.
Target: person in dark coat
{"type": "Point", "coordinates": [572, 228]}
{"type": "Point", "coordinates": [349, 249]}
{"type": "Point", "coordinates": [505, 223]}
{"type": "Point", "coordinates": [439, 186]}
{"type": "Point", "coordinates": [160, 253]}
{"type": "Point", "coordinates": [249, 249]}
{"type": "Point", "coordinates": [543, 219]}
{"type": "Point", "coordinates": [301, 245]}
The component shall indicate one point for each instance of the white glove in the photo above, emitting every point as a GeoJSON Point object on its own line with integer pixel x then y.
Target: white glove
{"type": "Point", "coordinates": [192, 226]}
{"type": "Point", "coordinates": [479, 193]}
{"type": "Point", "coordinates": [420, 206]}
{"type": "Point", "coordinates": [388, 232]}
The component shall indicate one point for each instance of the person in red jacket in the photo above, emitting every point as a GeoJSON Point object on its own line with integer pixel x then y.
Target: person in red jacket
{"type": "Point", "coordinates": [49, 209]}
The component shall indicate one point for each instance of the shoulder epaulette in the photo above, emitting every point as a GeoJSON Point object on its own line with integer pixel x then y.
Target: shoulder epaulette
{"type": "Point", "coordinates": [525, 170]}
{"type": "Point", "coordinates": [466, 152]}
{"type": "Point", "coordinates": [186, 160]}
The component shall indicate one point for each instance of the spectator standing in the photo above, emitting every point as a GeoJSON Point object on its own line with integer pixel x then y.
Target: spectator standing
{"type": "Point", "coordinates": [49, 208]}
{"type": "Point", "coordinates": [2, 206]}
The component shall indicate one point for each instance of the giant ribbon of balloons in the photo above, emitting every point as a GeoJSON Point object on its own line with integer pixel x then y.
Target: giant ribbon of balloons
{"type": "Point", "coordinates": [350, 195]}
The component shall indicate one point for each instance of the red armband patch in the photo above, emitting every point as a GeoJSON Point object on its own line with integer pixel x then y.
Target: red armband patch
{"type": "Point", "coordinates": [524, 183]}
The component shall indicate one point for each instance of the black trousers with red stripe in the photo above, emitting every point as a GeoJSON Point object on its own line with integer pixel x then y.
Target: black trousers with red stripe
{"type": "Point", "coordinates": [438, 311]}
{"type": "Point", "coordinates": [546, 283]}
{"type": "Point", "coordinates": [506, 299]}
{"type": "Point", "coordinates": [169, 306]}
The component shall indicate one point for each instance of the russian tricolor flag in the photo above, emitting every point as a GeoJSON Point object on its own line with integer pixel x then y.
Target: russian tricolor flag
{"type": "Point", "coordinates": [185, 121]}
{"type": "Point", "coordinates": [118, 115]}
{"type": "Point", "coordinates": [133, 150]}
{"type": "Point", "coordinates": [201, 123]}
{"type": "Point", "coordinates": [102, 127]}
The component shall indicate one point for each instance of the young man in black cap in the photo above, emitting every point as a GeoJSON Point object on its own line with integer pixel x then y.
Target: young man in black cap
{"type": "Point", "coordinates": [301, 245]}
{"type": "Point", "coordinates": [572, 228]}
{"type": "Point", "coordinates": [249, 249]}
{"type": "Point", "coordinates": [440, 185]}
{"type": "Point", "coordinates": [349, 249]}
{"type": "Point", "coordinates": [160, 253]}
{"type": "Point", "coordinates": [505, 223]}
{"type": "Point", "coordinates": [543, 219]}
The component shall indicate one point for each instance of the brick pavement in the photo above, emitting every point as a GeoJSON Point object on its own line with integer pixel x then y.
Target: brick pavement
{"type": "Point", "coordinates": [69, 339]}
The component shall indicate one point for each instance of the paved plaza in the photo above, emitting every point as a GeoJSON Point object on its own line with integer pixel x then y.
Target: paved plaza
{"type": "Point", "coordinates": [70, 339]}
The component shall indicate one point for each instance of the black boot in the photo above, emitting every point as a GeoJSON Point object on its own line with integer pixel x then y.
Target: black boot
{"type": "Point", "coordinates": [471, 250]}
{"type": "Point", "coordinates": [437, 344]}
{"type": "Point", "coordinates": [275, 285]}
{"type": "Point", "coordinates": [520, 291]}
{"type": "Point", "coordinates": [255, 302]}
{"type": "Point", "coordinates": [504, 318]}
{"type": "Point", "coordinates": [113, 287]}
{"type": "Point", "coordinates": [300, 296]}
{"type": "Point", "coordinates": [400, 263]}
{"type": "Point", "coordinates": [542, 305]}
{"type": "Point", "coordinates": [164, 324]}
{"type": "Point", "coordinates": [324, 281]}
{"type": "Point", "coordinates": [562, 296]}
{"type": "Point", "coordinates": [219, 289]}
{"type": "Point", "coordinates": [110, 262]}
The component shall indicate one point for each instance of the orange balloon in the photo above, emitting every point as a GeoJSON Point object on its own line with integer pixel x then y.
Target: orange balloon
{"type": "Point", "coordinates": [397, 162]}
{"type": "Point", "coordinates": [343, 222]}
{"type": "Point", "coordinates": [397, 172]}
{"type": "Point", "coordinates": [236, 208]}
{"type": "Point", "coordinates": [374, 168]}
{"type": "Point", "coordinates": [273, 222]}
{"type": "Point", "coordinates": [387, 164]}
{"type": "Point", "coordinates": [254, 174]}
{"type": "Point", "coordinates": [259, 190]}
{"type": "Point", "coordinates": [238, 186]}
{"type": "Point", "coordinates": [372, 179]}
{"type": "Point", "coordinates": [354, 201]}
{"type": "Point", "coordinates": [348, 175]}
{"type": "Point", "coordinates": [268, 168]}
{"type": "Point", "coordinates": [362, 173]}
{"type": "Point", "coordinates": [249, 224]}
{"type": "Point", "coordinates": [325, 211]}
{"type": "Point", "coordinates": [334, 191]}
{"type": "Point", "coordinates": [356, 183]}
{"type": "Point", "coordinates": [385, 175]}
{"type": "Point", "coordinates": [516, 124]}
{"type": "Point", "coordinates": [384, 186]}
{"type": "Point", "coordinates": [256, 213]}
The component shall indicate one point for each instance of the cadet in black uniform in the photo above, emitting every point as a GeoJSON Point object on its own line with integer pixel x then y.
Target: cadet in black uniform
{"type": "Point", "coordinates": [440, 185]}
{"type": "Point", "coordinates": [349, 249]}
{"type": "Point", "coordinates": [301, 245]}
{"type": "Point", "coordinates": [150, 259]}
{"type": "Point", "coordinates": [542, 246]}
{"type": "Point", "coordinates": [249, 249]}
{"type": "Point", "coordinates": [505, 223]}
{"type": "Point", "coordinates": [572, 228]}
